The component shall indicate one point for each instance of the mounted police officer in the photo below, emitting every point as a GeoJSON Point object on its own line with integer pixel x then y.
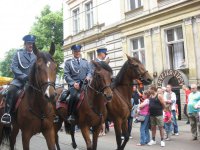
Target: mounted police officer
{"type": "Point", "coordinates": [101, 54]}
{"type": "Point", "coordinates": [21, 64]}
{"type": "Point", "coordinates": [75, 71]}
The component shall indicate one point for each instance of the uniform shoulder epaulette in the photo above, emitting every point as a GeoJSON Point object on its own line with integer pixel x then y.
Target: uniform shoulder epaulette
{"type": "Point", "coordinates": [69, 59]}
{"type": "Point", "coordinates": [19, 50]}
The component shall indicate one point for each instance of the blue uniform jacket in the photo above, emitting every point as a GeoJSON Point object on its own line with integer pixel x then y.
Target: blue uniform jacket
{"type": "Point", "coordinates": [74, 72]}
{"type": "Point", "coordinates": [21, 66]}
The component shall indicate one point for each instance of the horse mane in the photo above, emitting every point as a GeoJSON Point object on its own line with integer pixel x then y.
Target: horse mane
{"type": "Point", "coordinates": [105, 66]}
{"type": "Point", "coordinates": [120, 74]}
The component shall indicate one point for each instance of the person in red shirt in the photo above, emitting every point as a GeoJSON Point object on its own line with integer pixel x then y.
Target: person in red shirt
{"type": "Point", "coordinates": [187, 92]}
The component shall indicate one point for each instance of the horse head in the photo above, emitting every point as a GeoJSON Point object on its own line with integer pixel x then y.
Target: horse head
{"type": "Point", "coordinates": [138, 71]}
{"type": "Point", "coordinates": [43, 73]}
{"type": "Point", "coordinates": [102, 78]}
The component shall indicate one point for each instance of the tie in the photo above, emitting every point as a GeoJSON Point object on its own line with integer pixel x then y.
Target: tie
{"type": "Point", "coordinates": [29, 54]}
{"type": "Point", "coordinates": [78, 61]}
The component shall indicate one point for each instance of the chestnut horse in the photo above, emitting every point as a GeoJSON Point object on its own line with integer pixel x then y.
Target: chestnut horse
{"type": "Point", "coordinates": [35, 113]}
{"type": "Point", "coordinates": [92, 110]}
{"type": "Point", "coordinates": [120, 107]}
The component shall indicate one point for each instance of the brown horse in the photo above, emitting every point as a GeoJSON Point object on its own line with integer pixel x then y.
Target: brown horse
{"type": "Point", "coordinates": [92, 111]}
{"type": "Point", "coordinates": [120, 107]}
{"type": "Point", "coordinates": [35, 113]}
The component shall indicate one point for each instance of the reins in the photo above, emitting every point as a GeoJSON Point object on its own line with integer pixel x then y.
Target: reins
{"type": "Point", "coordinates": [39, 88]}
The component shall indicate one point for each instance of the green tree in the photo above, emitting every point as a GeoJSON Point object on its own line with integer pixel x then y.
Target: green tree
{"type": "Point", "coordinates": [6, 62]}
{"type": "Point", "coordinates": [47, 28]}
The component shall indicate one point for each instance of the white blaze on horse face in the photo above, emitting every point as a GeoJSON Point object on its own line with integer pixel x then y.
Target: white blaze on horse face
{"type": "Point", "coordinates": [47, 92]}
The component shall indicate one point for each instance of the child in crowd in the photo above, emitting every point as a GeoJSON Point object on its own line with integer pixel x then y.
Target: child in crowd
{"type": "Point", "coordinates": [167, 122]}
{"type": "Point", "coordinates": [144, 111]}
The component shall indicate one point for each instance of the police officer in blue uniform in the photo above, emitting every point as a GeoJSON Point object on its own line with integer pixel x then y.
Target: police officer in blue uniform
{"type": "Point", "coordinates": [75, 71]}
{"type": "Point", "coordinates": [101, 54]}
{"type": "Point", "coordinates": [21, 64]}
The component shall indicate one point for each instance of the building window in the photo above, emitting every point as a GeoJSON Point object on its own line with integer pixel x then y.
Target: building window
{"type": "Point", "coordinates": [76, 21]}
{"type": "Point", "coordinates": [89, 15]}
{"type": "Point", "coordinates": [175, 46]}
{"type": "Point", "coordinates": [138, 50]}
{"type": "Point", "coordinates": [135, 4]}
{"type": "Point", "coordinates": [91, 55]}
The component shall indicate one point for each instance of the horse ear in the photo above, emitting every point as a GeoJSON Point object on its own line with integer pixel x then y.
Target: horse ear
{"type": "Point", "coordinates": [132, 61]}
{"type": "Point", "coordinates": [52, 49]}
{"type": "Point", "coordinates": [35, 50]}
{"type": "Point", "coordinates": [107, 61]}
{"type": "Point", "coordinates": [128, 57]}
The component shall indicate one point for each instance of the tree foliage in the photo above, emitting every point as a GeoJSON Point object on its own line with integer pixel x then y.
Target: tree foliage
{"type": "Point", "coordinates": [47, 28]}
{"type": "Point", "coordinates": [6, 62]}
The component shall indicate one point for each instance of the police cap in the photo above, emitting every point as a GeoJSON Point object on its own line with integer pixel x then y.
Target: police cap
{"type": "Point", "coordinates": [76, 47]}
{"type": "Point", "coordinates": [29, 38]}
{"type": "Point", "coordinates": [102, 50]}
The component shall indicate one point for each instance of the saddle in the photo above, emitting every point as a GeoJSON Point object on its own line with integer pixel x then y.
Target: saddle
{"type": "Point", "coordinates": [63, 99]}
{"type": "Point", "coordinates": [19, 96]}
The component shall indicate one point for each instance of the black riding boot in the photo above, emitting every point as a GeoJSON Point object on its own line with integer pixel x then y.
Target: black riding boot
{"type": "Point", "coordinates": [72, 108]}
{"type": "Point", "coordinates": [6, 118]}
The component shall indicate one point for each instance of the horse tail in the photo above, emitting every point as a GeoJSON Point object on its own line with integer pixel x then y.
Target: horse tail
{"type": "Point", "coordinates": [6, 134]}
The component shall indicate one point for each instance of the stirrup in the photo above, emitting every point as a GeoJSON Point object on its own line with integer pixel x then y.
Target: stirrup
{"type": "Point", "coordinates": [71, 119]}
{"type": "Point", "coordinates": [4, 117]}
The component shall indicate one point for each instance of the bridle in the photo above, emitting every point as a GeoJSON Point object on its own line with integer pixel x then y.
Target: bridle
{"type": "Point", "coordinates": [98, 91]}
{"type": "Point", "coordinates": [40, 87]}
{"type": "Point", "coordinates": [139, 74]}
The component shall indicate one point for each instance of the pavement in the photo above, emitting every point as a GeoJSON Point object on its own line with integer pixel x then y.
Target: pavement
{"type": "Point", "coordinates": [107, 142]}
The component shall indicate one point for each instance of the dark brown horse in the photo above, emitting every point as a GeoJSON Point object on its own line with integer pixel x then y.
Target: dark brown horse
{"type": "Point", "coordinates": [120, 107]}
{"type": "Point", "coordinates": [92, 111]}
{"type": "Point", "coordinates": [35, 113]}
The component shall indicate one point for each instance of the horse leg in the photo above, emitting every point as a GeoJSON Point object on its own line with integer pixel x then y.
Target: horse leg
{"type": "Point", "coordinates": [57, 127]}
{"type": "Point", "coordinates": [86, 135]}
{"type": "Point", "coordinates": [96, 131]}
{"type": "Point", "coordinates": [49, 135]}
{"type": "Point", "coordinates": [117, 127]}
{"type": "Point", "coordinates": [125, 133]}
{"type": "Point", "coordinates": [72, 131]}
{"type": "Point", "coordinates": [13, 137]}
{"type": "Point", "coordinates": [26, 136]}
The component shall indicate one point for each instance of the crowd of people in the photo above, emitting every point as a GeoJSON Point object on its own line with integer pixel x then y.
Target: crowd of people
{"type": "Point", "coordinates": [157, 108]}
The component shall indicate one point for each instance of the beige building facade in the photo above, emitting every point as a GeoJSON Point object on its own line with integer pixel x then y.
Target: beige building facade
{"type": "Point", "coordinates": [163, 34]}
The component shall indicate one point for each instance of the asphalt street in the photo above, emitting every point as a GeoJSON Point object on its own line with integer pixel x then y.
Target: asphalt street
{"type": "Point", "coordinates": [107, 142]}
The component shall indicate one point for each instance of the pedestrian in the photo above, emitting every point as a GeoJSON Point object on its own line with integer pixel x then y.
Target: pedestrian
{"type": "Point", "coordinates": [167, 122]}
{"type": "Point", "coordinates": [76, 71]}
{"type": "Point", "coordinates": [156, 106]}
{"type": "Point", "coordinates": [144, 127]}
{"type": "Point", "coordinates": [135, 102]}
{"type": "Point", "coordinates": [193, 109]}
{"type": "Point", "coordinates": [22, 62]}
{"type": "Point", "coordinates": [170, 99]}
{"type": "Point", "coordinates": [187, 92]}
